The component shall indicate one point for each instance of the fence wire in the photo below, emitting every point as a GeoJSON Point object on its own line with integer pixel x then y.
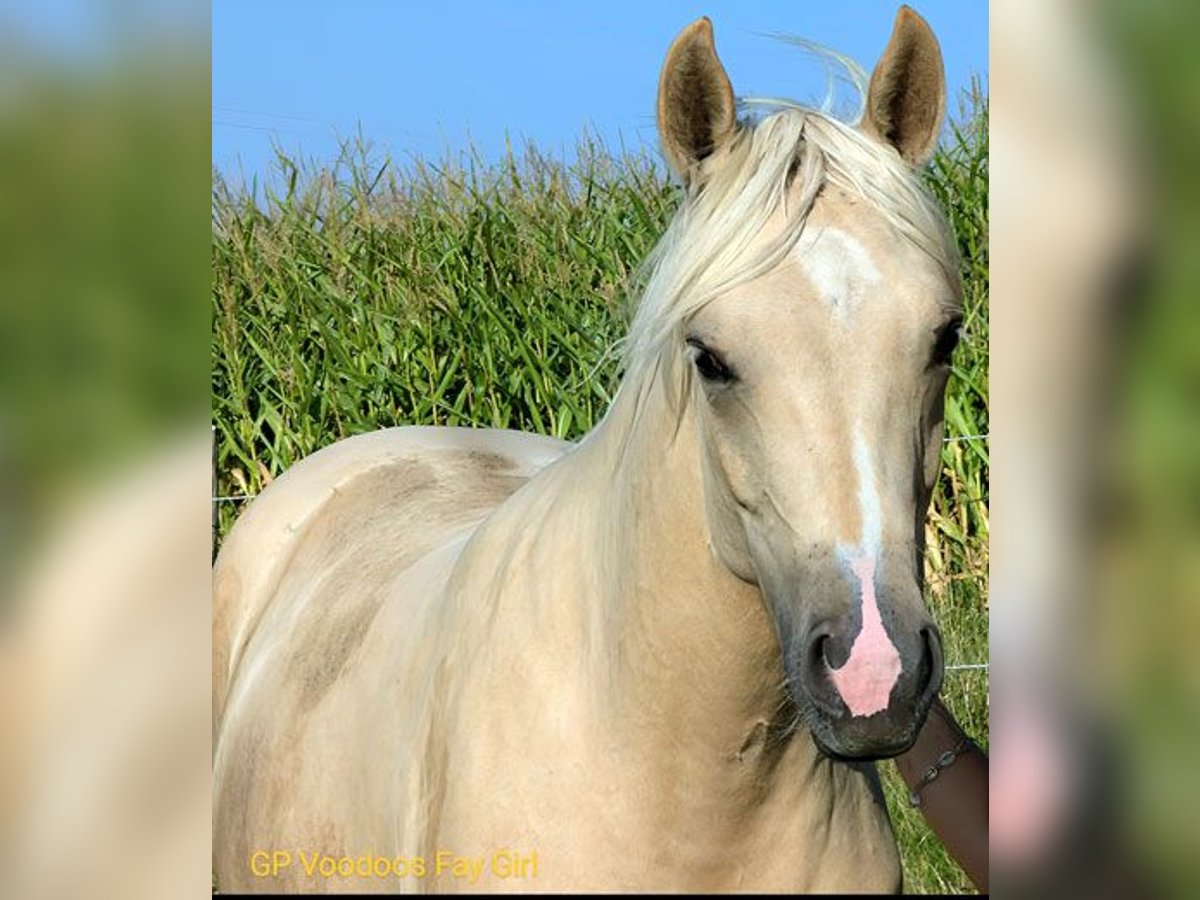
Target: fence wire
{"type": "Point", "coordinates": [237, 498]}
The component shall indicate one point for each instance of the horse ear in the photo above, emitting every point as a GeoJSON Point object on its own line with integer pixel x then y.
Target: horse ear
{"type": "Point", "coordinates": [907, 97]}
{"type": "Point", "coordinates": [696, 112]}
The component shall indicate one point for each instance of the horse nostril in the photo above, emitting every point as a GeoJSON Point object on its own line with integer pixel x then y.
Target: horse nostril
{"type": "Point", "coordinates": [929, 675]}
{"type": "Point", "coordinates": [816, 674]}
{"type": "Point", "coordinates": [835, 651]}
{"type": "Point", "coordinates": [814, 660]}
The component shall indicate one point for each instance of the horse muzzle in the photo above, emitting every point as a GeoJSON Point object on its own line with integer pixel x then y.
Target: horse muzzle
{"type": "Point", "coordinates": [863, 685]}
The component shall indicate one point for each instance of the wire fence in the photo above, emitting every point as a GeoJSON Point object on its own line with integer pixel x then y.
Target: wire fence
{"type": "Point", "coordinates": [233, 498]}
{"type": "Point", "coordinates": [237, 498]}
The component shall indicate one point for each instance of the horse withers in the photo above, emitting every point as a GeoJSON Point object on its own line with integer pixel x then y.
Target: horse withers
{"type": "Point", "coordinates": [662, 658]}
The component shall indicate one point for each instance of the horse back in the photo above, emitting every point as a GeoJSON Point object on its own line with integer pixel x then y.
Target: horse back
{"type": "Point", "coordinates": [382, 499]}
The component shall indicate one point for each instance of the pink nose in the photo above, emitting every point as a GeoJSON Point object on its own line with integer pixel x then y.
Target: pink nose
{"type": "Point", "coordinates": [865, 680]}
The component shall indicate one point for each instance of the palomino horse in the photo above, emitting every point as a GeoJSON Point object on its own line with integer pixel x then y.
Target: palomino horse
{"type": "Point", "coordinates": [665, 657]}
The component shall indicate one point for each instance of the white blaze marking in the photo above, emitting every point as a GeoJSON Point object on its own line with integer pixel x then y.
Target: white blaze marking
{"type": "Point", "coordinates": [868, 497]}
{"type": "Point", "coordinates": [870, 672]}
{"type": "Point", "coordinates": [838, 265]}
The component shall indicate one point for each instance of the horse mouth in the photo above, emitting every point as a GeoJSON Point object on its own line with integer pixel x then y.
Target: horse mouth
{"type": "Point", "coordinates": [858, 743]}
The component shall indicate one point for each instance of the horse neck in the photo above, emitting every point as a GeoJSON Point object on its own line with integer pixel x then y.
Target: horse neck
{"type": "Point", "coordinates": [689, 646]}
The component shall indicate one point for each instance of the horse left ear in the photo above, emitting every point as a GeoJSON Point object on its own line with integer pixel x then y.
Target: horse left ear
{"type": "Point", "coordinates": [907, 97]}
{"type": "Point", "coordinates": [696, 109]}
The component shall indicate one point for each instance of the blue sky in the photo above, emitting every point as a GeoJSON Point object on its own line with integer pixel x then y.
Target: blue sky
{"type": "Point", "coordinates": [424, 78]}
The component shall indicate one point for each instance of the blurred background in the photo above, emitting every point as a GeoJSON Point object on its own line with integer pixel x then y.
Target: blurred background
{"type": "Point", "coordinates": [1095, 571]}
{"type": "Point", "coordinates": [105, 474]}
{"type": "Point", "coordinates": [104, 447]}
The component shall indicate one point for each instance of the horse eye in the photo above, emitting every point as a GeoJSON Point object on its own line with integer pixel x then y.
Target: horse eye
{"type": "Point", "coordinates": [710, 366]}
{"type": "Point", "coordinates": [947, 340]}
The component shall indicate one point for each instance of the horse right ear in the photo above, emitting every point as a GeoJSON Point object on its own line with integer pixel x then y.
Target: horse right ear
{"type": "Point", "coordinates": [696, 111]}
{"type": "Point", "coordinates": [906, 101]}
